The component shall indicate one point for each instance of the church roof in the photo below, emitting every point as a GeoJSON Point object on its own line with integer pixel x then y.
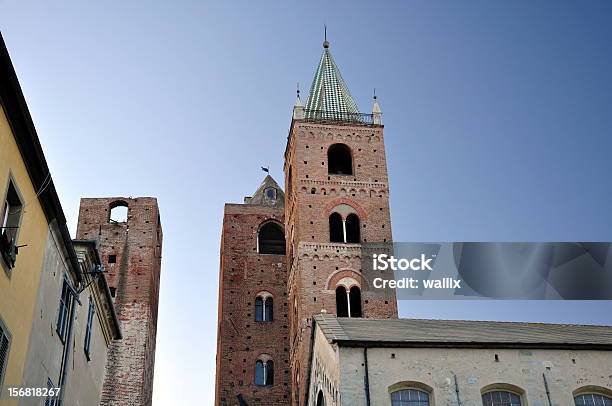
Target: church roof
{"type": "Point", "coordinates": [276, 197]}
{"type": "Point", "coordinates": [461, 333]}
{"type": "Point", "coordinates": [329, 92]}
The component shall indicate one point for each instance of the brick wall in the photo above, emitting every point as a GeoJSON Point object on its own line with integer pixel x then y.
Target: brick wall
{"type": "Point", "coordinates": [133, 277]}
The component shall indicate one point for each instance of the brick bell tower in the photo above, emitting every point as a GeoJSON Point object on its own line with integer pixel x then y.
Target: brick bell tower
{"type": "Point", "coordinates": [129, 235]}
{"type": "Point", "coordinates": [337, 198]}
{"type": "Point", "coordinates": [252, 346]}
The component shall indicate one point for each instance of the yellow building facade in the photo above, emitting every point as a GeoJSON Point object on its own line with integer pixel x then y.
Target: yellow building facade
{"type": "Point", "coordinates": [28, 205]}
{"type": "Point", "coordinates": [19, 281]}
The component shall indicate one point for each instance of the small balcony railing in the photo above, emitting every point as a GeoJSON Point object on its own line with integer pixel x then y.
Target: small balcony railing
{"type": "Point", "coordinates": [323, 116]}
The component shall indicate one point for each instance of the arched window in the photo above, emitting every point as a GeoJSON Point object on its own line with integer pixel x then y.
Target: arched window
{"type": "Point", "coordinates": [346, 231]}
{"type": "Point", "coordinates": [409, 397]}
{"type": "Point", "coordinates": [264, 372]}
{"type": "Point", "coordinates": [503, 398]}
{"type": "Point", "coordinates": [264, 307]}
{"type": "Point", "coordinates": [336, 228]}
{"type": "Point", "coordinates": [355, 301]}
{"type": "Point", "coordinates": [271, 239]}
{"type": "Point", "coordinates": [592, 399]}
{"type": "Point", "coordinates": [320, 399]}
{"type": "Point", "coordinates": [341, 302]}
{"type": "Point", "coordinates": [118, 212]}
{"type": "Point", "coordinates": [339, 160]}
{"type": "Point", "coordinates": [348, 303]}
{"type": "Point", "coordinates": [352, 228]}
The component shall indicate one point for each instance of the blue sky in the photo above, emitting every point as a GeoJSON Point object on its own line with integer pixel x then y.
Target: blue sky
{"type": "Point", "coordinates": [498, 123]}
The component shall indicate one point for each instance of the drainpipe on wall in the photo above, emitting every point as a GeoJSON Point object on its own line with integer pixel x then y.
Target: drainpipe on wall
{"type": "Point", "coordinates": [366, 378]}
{"type": "Point", "coordinates": [547, 390]}
{"type": "Point", "coordinates": [457, 390]}
{"type": "Point", "coordinates": [67, 349]}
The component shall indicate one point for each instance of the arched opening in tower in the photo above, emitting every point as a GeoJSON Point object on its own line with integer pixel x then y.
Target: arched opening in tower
{"type": "Point", "coordinates": [339, 160]}
{"type": "Point", "coordinates": [352, 228]}
{"type": "Point", "coordinates": [341, 302]}
{"type": "Point", "coordinates": [355, 300]}
{"type": "Point", "coordinates": [271, 239]}
{"type": "Point", "coordinates": [336, 228]}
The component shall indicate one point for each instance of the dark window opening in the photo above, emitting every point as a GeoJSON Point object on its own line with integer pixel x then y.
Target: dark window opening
{"type": "Point", "coordinates": [264, 373]}
{"type": "Point", "coordinates": [336, 228]}
{"type": "Point", "coordinates": [352, 228]}
{"type": "Point", "coordinates": [112, 259]}
{"type": "Point", "coordinates": [9, 225]}
{"type": "Point", "coordinates": [271, 239]}
{"type": "Point", "coordinates": [268, 309]}
{"type": "Point", "coordinates": [270, 193]}
{"type": "Point", "coordinates": [355, 301]}
{"type": "Point", "coordinates": [320, 399]}
{"type": "Point", "coordinates": [341, 302]}
{"type": "Point", "coordinates": [339, 160]}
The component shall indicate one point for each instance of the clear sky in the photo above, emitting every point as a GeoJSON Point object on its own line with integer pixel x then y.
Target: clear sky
{"type": "Point", "coordinates": [498, 126]}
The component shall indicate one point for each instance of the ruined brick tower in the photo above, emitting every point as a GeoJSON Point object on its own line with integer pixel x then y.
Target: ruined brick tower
{"type": "Point", "coordinates": [273, 279]}
{"type": "Point", "coordinates": [252, 346]}
{"type": "Point", "coordinates": [130, 243]}
{"type": "Point", "coordinates": [337, 197]}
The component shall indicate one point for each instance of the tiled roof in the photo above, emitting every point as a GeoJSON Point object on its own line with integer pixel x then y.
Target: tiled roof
{"type": "Point", "coordinates": [461, 333]}
{"type": "Point", "coordinates": [329, 92]}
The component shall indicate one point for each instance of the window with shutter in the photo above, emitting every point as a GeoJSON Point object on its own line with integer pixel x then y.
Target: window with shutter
{"type": "Point", "coordinates": [4, 350]}
{"type": "Point", "coordinates": [64, 311]}
{"type": "Point", "coordinates": [88, 330]}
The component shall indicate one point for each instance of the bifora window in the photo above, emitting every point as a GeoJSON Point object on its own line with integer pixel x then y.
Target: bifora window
{"type": "Point", "coordinates": [271, 239]}
{"type": "Point", "coordinates": [501, 398]}
{"type": "Point", "coordinates": [264, 306]}
{"type": "Point", "coordinates": [339, 160]}
{"type": "Point", "coordinates": [344, 230]}
{"type": "Point", "coordinates": [409, 397]}
{"type": "Point", "coordinates": [592, 399]}
{"type": "Point", "coordinates": [264, 372]}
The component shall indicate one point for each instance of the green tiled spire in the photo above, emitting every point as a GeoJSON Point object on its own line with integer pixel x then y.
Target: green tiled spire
{"type": "Point", "coordinates": [328, 92]}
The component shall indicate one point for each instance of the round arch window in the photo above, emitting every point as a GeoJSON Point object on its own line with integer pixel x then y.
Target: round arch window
{"type": "Point", "coordinates": [592, 399]}
{"type": "Point", "coordinates": [410, 397]}
{"type": "Point", "coordinates": [498, 397]}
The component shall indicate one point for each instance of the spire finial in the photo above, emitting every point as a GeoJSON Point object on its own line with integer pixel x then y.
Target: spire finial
{"type": "Point", "coordinates": [374, 93]}
{"type": "Point", "coordinates": [325, 42]}
{"type": "Point", "coordinates": [298, 89]}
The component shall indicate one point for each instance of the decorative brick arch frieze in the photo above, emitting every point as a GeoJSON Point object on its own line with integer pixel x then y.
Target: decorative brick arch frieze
{"type": "Point", "coordinates": [334, 279]}
{"type": "Point", "coordinates": [363, 215]}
